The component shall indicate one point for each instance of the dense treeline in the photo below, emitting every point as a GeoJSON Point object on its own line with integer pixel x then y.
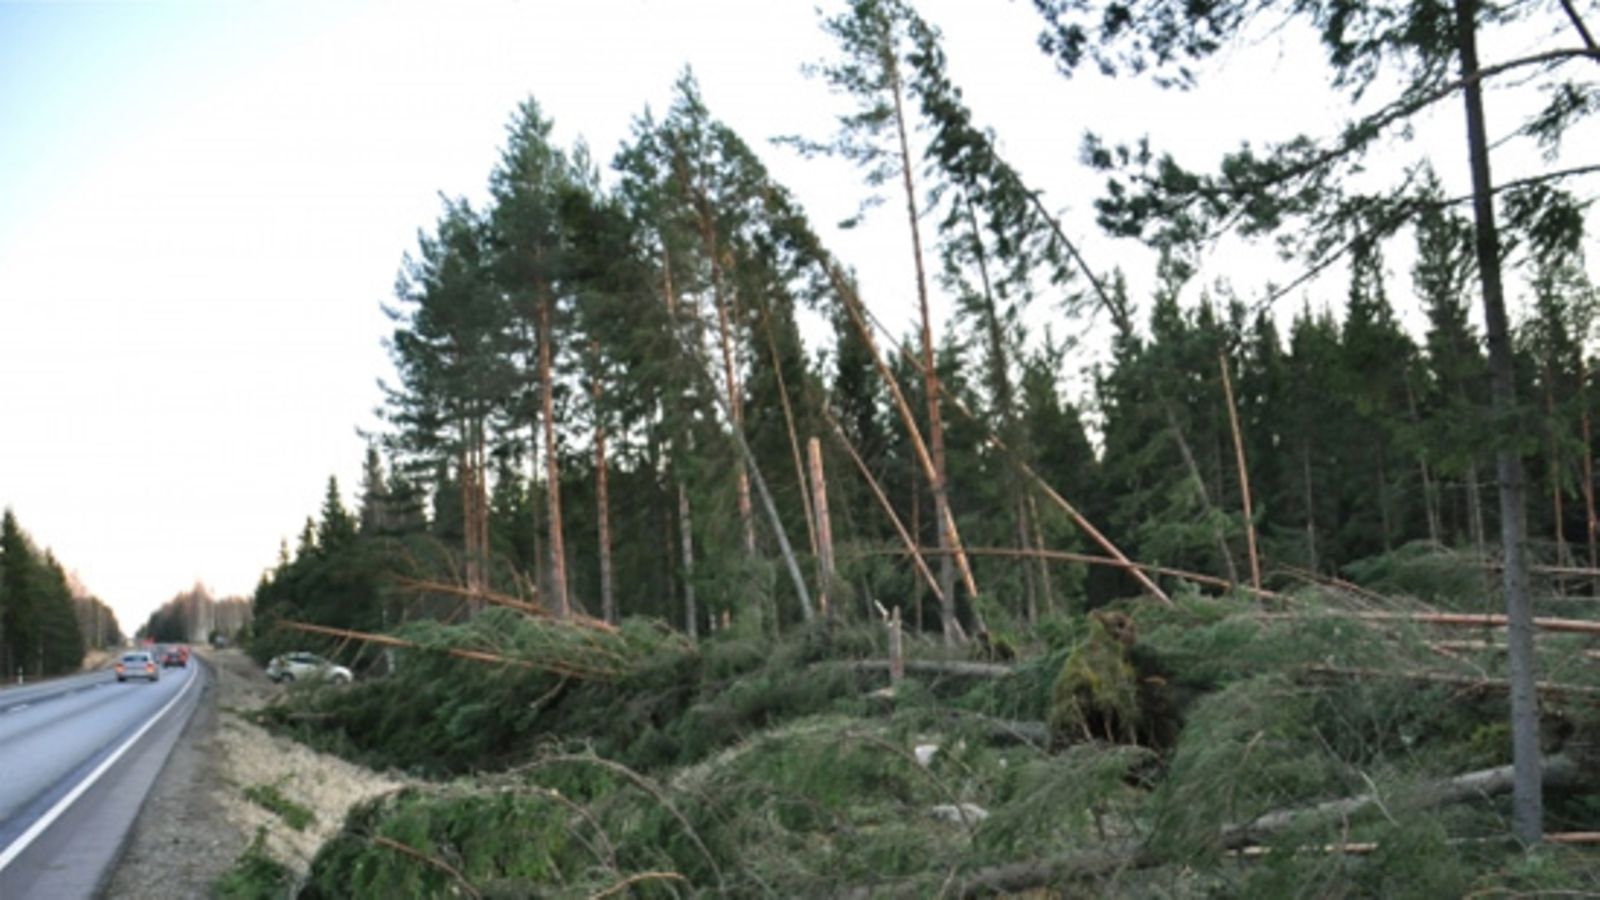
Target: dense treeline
{"type": "Point", "coordinates": [40, 619]}
{"type": "Point", "coordinates": [604, 401]}
{"type": "Point", "coordinates": [603, 391]}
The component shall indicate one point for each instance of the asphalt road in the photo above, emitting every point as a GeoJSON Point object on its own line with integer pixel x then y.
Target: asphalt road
{"type": "Point", "coordinates": [77, 756]}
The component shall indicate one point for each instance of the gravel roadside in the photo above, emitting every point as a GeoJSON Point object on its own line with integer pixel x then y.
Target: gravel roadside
{"type": "Point", "coordinates": [197, 820]}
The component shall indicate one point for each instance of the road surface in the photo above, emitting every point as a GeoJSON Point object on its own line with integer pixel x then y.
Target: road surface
{"type": "Point", "coordinates": [77, 756]}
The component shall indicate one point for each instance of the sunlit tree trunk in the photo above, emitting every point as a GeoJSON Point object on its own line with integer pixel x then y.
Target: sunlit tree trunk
{"type": "Point", "coordinates": [941, 502]}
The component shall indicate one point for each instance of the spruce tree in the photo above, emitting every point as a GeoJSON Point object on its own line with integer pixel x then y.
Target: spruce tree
{"type": "Point", "coordinates": [1309, 190]}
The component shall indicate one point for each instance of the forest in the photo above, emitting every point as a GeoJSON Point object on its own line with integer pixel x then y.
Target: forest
{"type": "Point", "coordinates": [45, 626]}
{"type": "Point", "coordinates": [652, 549]}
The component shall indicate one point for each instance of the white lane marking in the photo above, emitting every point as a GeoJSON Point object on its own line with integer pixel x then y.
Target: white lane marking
{"type": "Point", "coordinates": [10, 854]}
{"type": "Point", "coordinates": [19, 707]}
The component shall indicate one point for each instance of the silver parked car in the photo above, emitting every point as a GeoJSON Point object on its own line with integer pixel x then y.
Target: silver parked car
{"type": "Point", "coordinates": [302, 666]}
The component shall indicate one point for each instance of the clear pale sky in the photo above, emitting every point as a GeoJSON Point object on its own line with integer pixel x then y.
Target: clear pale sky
{"type": "Point", "coordinates": [203, 205]}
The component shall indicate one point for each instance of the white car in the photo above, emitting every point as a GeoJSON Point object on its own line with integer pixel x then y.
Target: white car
{"type": "Point", "coordinates": [302, 666]}
{"type": "Point", "coordinates": [138, 664]}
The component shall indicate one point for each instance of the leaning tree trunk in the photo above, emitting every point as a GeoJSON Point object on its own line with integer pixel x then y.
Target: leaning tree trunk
{"type": "Point", "coordinates": [1527, 805]}
{"type": "Point", "coordinates": [1001, 384]}
{"type": "Point", "coordinates": [939, 482]}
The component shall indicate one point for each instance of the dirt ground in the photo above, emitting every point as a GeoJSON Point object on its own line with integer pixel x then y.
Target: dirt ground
{"type": "Point", "coordinates": [198, 821]}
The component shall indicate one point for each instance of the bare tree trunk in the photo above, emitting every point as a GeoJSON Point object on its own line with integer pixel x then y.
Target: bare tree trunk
{"type": "Point", "coordinates": [1244, 473]}
{"type": "Point", "coordinates": [819, 492]}
{"type": "Point", "coordinates": [1592, 526]}
{"type": "Point", "coordinates": [950, 538]}
{"type": "Point", "coordinates": [1527, 804]}
{"type": "Point", "coordinates": [602, 497]}
{"type": "Point", "coordinates": [906, 537]}
{"type": "Point", "coordinates": [538, 532]}
{"type": "Point", "coordinates": [558, 544]}
{"type": "Point", "coordinates": [941, 500]}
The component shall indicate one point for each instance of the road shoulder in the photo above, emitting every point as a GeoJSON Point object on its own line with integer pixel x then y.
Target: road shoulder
{"type": "Point", "coordinates": [197, 821]}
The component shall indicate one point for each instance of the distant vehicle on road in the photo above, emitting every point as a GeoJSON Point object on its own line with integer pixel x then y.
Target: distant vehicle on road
{"type": "Point", "coordinates": [302, 666]}
{"type": "Point", "coordinates": [176, 655]}
{"type": "Point", "coordinates": [138, 664]}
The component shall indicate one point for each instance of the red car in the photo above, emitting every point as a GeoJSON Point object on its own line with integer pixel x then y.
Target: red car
{"type": "Point", "coordinates": [177, 655]}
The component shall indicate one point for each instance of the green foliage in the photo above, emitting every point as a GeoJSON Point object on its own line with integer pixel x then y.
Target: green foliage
{"type": "Point", "coordinates": [269, 797]}
{"type": "Point", "coordinates": [1427, 572]}
{"type": "Point", "coordinates": [256, 875]}
{"type": "Point", "coordinates": [1096, 696]}
{"type": "Point", "coordinates": [39, 630]}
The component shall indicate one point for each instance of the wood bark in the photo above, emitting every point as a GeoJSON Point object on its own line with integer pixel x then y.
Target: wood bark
{"type": "Point", "coordinates": [949, 537]}
{"type": "Point", "coordinates": [602, 494]}
{"type": "Point", "coordinates": [937, 480]}
{"type": "Point", "coordinates": [1072, 512]}
{"type": "Point", "coordinates": [558, 543]}
{"type": "Point", "coordinates": [1527, 802]}
{"type": "Point", "coordinates": [819, 501]}
{"type": "Point", "coordinates": [1244, 473]}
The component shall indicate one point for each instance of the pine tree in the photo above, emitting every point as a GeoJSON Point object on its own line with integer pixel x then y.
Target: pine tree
{"type": "Point", "coordinates": [336, 528]}
{"type": "Point", "coordinates": [375, 515]}
{"type": "Point", "coordinates": [448, 350]}
{"type": "Point", "coordinates": [530, 186]}
{"type": "Point", "coordinates": [872, 36]}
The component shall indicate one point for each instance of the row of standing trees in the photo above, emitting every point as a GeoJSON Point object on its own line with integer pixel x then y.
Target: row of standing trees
{"type": "Point", "coordinates": [44, 626]}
